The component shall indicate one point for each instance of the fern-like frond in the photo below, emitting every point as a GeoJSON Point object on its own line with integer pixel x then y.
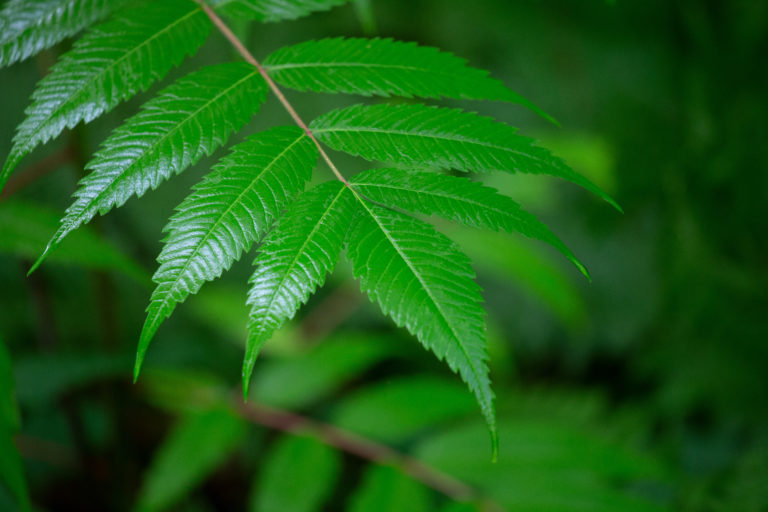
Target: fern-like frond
{"type": "Point", "coordinates": [110, 63]}
{"type": "Point", "coordinates": [229, 210]}
{"type": "Point", "coordinates": [423, 282]}
{"type": "Point", "coordinates": [439, 137]}
{"type": "Point", "coordinates": [29, 27]}
{"type": "Point", "coordinates": [184, 122]}
{"type": "Point", "coordinates": [273, 10]}
{"type": "Point", "coordinates": [457, 199]}
{"type": "Point", "coordinates": [294, 260]}
{"type": "Point", "coordinates": [384, 67]}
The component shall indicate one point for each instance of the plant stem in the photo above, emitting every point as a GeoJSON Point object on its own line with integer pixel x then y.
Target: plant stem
{"type": "Point", "coordinates": [243, 51]}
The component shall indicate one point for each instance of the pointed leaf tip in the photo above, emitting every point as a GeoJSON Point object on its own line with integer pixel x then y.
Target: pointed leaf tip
{"type": "Point", "coordinates": [8, 167]}
{"type": "Point", "coordinates": [247, 372]}
{"type": "Point", "coordinates": [137, 368]}
{"type": "Point", "coordinates": [40, 259]}
{"type": "Point", "coordinates": [151, 324]}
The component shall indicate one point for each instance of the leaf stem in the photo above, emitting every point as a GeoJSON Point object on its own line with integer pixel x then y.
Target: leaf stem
{"type": "Point", "coordinates": [243, 51]}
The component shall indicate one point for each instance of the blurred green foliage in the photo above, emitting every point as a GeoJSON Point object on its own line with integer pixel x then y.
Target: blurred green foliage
{"type": "Point", "coordinates": [644, 390]}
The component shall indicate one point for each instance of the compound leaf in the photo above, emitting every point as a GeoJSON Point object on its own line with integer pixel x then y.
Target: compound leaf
{"type": "Point", "coordinates": [423, 282]}
{"type": "Point", "coordinates": [457, 199]}
{"type": "Point", "coordinates": [384, 67]}
{"type": "Point", "coordinates": [185, 121]}
{"type": "Point", "coordinates": [293, 261]}
{"type": "Point", "coordinates": [439, 137]}
{"type": "Point", "coordinates": [29, 27]}
{"type": "Point", "coordinates": [109, 64]}
{"type": "Point", "coordinates": [225, 214]}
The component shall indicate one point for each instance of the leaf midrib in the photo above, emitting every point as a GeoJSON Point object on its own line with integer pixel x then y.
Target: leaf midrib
{"type": "Point", "coordinates": [503, 213]}
{"type": "Point", "coordinates": [441, 136]}
{"type": "Point", "coordinates": [295, 65]}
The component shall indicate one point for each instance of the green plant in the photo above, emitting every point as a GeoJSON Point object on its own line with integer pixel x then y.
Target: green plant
{"type": "Point", "coordinates": [256, 194]}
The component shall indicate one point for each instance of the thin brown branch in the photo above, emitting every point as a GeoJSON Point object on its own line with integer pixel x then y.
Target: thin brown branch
{"type": "Point", "coordinates": [243, 51]}
{"type": "Point", "coordinates": [37, 171]}
{"type": "Point", "coordinates": [50, 452]}
{"type": "Point", "coordinates": [361, 447]}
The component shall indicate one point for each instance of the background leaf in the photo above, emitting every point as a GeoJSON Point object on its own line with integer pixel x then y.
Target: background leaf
{"type": "Point", "coordinates": [545, 464]}
{"type": "Point", "coordinates": [195, 448]}
{"type": "Point", "coordinates": [397, 409]}
{"type": "Point", "coordinates": [296, 381]}
{"type": "Point", "coordinates": [385, 489]}
{"type": "Point", "coordinates": [43, 379]}
{"type": "Point", "coordinates": [297, 475]}
{"type": "Point", "coordinates": [25, 226]}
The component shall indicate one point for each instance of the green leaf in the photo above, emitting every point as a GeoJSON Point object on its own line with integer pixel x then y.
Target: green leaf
{"type": "Point", "coordinates": [25, 227]}
{"type": "Point", "coordinates": [549, 465]}
{"type": "Point", "coordinates": [386, 489]}
{"type": "Point", "coordinates": [298, 476]}
{"type": "Point", "coordinates": [384, 67]}
{"type": "Point", "coordinates": [527, 266]}
{"type": "Point", "coordinates": [28, 27]}
{"type": "Point", "coordinates": [194, 449]}
{"type": "Point", "coordinates": [397, 409]}
{"type": "Point", "coordinates": [42, 379]}
{"type": "Point", "coordinates": [297, 381]}
{"type": "Point", "coordinates": [293, 261]}
{"type": "Point", "coordinates": [227, 212]}
{"type": "Point", "coordinates": [439, 137]}
{"type": "Point", "coordinates": [109, 64]}
{"type": "Point", "coordinates": [184, 122]}
{"type": "Point", "coordinates": [457, 199]}
{"type": "Point", "coordinates": [273, 10]}
{"type": "Point", "coordinates": [421, 280]}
